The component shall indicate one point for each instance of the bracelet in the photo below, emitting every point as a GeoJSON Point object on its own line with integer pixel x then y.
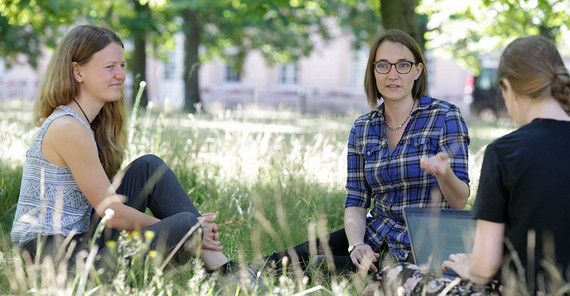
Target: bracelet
{"type": "Point", "coordinates": [353, 246]}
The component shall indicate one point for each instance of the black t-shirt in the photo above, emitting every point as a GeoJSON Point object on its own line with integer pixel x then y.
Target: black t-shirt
{"type": "Point", "coordinates": [525, 184]}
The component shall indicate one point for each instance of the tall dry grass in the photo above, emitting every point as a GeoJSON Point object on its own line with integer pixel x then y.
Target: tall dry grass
{"type": "Point", "coordinates": [273, 178]}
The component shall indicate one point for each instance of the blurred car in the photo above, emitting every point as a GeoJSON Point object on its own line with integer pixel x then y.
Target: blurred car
{"type": "Point", "coordinates": [483, 95]}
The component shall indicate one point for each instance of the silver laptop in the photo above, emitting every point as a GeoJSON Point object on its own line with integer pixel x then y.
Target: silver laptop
{"type": "Point", "coordinates": [436, 233]}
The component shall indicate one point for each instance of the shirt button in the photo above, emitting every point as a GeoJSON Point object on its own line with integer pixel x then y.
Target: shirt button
{"type": "Point", "coordinates": [368, 153]}
{"type": "Point", "coordinates": [416, 144]}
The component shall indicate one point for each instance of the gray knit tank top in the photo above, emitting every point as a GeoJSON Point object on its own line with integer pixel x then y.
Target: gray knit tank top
{"type": "Point", "coordinates": [50, 201]}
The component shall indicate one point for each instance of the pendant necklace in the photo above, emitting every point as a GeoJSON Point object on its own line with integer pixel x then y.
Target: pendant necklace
{"type": "Point", "coordinates": [399, 126]}
{"type": "Point", "coordinates": [86, 114]}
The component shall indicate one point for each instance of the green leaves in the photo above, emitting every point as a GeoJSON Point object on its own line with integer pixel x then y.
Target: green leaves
{"type": "Point", "coordinates": [470, 29]}
{"type": "Point", "coordinates": [27, 25]}
{"type": "Point", "coordinates": [279, 28]}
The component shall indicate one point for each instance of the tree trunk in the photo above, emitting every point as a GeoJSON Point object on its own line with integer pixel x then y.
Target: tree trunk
{"type": "Point", "coordinates": [139, 68]}
{"type": "Point", "coordinates": [192, 32]}
{"type": "Point", "coordinates": [139, 55]}
{"type": "Point", "coordinates": [400, 14]}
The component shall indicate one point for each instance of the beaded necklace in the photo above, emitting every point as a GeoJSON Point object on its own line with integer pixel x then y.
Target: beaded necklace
{"type": "Point", "coordinates": [399, 126]}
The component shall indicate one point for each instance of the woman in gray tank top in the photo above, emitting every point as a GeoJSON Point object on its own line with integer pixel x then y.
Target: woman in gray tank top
{"type": "Point", "coordinates": [66, 186]}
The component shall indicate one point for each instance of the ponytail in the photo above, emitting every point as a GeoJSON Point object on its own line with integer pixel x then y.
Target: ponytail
{"type": "Point", "coordinates": [561, 89]}
{"type": "Point", "coordinates": [535, 69]}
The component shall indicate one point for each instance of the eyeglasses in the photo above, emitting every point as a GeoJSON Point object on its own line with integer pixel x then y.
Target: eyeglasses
{"type": "Point", "coordinates": [402, 67]}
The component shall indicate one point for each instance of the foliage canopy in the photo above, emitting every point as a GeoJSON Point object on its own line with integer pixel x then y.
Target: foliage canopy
{"type": "Point", "coordinates": [468, 29]}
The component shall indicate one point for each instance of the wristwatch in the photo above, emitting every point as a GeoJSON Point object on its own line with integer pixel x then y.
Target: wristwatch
{"type": "Point", "coordinates": [351, 247]}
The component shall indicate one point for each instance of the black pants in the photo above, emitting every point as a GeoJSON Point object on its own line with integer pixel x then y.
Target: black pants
{"type": "Point", "coordinates": [147, 183]}
{"type": "Point", "coordinates": [337, 255]}
{"type": "Point", "coordinates": [333, 258]}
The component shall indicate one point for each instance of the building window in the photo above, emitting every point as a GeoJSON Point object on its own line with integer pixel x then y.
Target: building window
{"type": "Point", "coordinates": [170, 65]}
{"type": "Point", "coordinates": [357, 68]}
{"type": "Point", "coordinates": [231, 74]}
{"type": "Point", "coordinates": [287, 74]}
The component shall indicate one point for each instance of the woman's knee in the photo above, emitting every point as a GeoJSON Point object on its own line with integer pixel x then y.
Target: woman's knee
{"type": "Point", "coordinates": [149, 160]}
{"type": "Point", "coordinates": [147, 165]}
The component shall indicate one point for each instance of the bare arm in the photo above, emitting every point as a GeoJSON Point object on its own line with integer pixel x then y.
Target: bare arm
{"type": "Point", "coordinates": [455, 191]}
{"type": "Point", "coordinates": [355, 226]}
{"type": "Point", "coordinates": [68, 143]}
{"type": "Point", "coordinates": [487, 251]}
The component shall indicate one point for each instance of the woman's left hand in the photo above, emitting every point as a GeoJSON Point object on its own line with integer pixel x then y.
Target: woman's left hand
{"type": "Point", "coordinates": [364, 258]}
{"type": "Point", "coordinates": [436, 165]}
{"type": "Point", "coordinates": [458, 263]}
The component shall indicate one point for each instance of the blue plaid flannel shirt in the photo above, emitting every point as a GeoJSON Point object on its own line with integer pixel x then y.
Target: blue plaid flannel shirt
{"type": "Point", "coordinates": [395, 180]}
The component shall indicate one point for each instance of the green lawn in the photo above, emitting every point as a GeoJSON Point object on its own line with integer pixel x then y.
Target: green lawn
{"type": "Point", "coordinates": [278, 174]}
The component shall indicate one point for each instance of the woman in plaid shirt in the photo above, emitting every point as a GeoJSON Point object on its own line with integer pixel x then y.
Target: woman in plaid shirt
{"type": "Point", "coordinates": [409, 151]}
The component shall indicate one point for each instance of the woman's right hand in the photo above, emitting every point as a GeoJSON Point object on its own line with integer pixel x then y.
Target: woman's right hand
{"type": "Point", "coordinates": [364, 258]}
{"type": "Point", "coordinates": [211, 237]}
{"type": "Point", "coordinates": [458, 263]}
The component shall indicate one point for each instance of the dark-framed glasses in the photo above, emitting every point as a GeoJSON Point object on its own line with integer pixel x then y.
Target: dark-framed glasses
{"type": "Point", "coordinates": [384, 67]}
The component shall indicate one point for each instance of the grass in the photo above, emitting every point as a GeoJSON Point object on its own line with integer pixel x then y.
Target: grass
{"type": "Point", "coordinates": [276, 174]}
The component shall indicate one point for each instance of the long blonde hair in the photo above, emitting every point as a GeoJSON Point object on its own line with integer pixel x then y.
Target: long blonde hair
{"type": "Point", "coordinates": [59, 87]}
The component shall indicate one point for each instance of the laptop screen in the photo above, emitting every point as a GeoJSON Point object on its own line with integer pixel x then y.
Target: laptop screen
{"type": "Point", "coordinates": [436, 233]}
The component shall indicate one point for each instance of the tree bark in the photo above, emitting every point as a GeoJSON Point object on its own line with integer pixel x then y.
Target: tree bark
{"type": "Point", "coordinates": [139, 56]}
{"type": "Point", "coordinates": [400, 14]}
{"type": "Point", "coordinates": [139, 68]}
{"type": "Point", "coordinates": [192, 32]}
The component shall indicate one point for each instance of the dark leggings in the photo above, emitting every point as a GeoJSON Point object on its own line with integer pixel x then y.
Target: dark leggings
{"type": "Point", "coordinates": [147, 183]}
{"type": "Point", "coordinates": [334, 260]}
{"type": "Point", "coordinates": [338, 248]}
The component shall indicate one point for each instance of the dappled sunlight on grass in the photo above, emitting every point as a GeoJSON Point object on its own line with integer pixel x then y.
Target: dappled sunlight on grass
{"type": "Point", "coordinates": [273, 178]}
{"type": "Point", "coordinates": [16, 131]}
{"type": "Point", "coordinates": [493, 132]}
{"type": "Point", "coordinates": [245, 150]}
{"type": "Point", "coordinates": [15, 141]}
{"type": "Point", "coordinates": [483, 133]}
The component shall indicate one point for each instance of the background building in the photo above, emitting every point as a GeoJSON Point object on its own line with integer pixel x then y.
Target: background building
{"type": "Point", "coordinates": [330, 79]}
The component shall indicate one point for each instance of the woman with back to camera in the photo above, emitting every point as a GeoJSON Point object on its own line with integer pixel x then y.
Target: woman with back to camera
{"type": "Point", "coordinates": [401, 152]}
{"type": "Point", "coordinates": [523, 199]}
{"type": "Point", "coordinates": [80, 147]}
